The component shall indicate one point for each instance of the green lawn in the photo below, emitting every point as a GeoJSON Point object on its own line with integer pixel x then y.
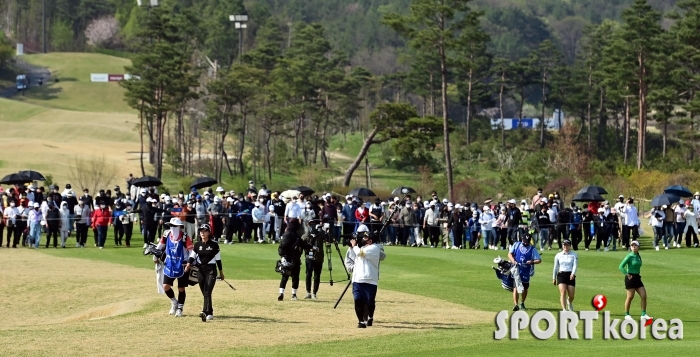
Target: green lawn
{"type": "Point", "coordinates": [465, 277]}
{"type": "Point", "coordinates": [74, 91]}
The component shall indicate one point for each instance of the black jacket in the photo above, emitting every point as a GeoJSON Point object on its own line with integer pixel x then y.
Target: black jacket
{"type": "Point", "coordinates": [292, 246]}
{"type": "Point", "coordinates": [53, 218]}
{"type": "Point", "coordinates": [514, 217]}
{"type": "Point", "coordinates": [315, 238]}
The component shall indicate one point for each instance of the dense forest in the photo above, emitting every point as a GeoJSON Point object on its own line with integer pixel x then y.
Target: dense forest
{"type": "Point", "coordinates": [424, 76]}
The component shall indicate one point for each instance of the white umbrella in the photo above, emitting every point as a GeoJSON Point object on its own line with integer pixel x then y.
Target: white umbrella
{"type": "Point", "coordinates": [290, 193]}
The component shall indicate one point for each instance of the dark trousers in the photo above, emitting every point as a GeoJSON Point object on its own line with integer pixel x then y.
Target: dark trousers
{"type": "Point", "coordinates": [81, 231]}
{"type": "Point", "coordinates": [52, 232]}
{"type": "Point", "coordinates": [680, 227]}
{"type": "Point", "coordinates": [218, 228]}
{"type": "Point", "coordinates": [207, 280]}
{"type": "Point", "coordinates": [313, 268]}
{"type": "Point", "coordinates": [587, 234]}
{"type": "Point", "coordinates": [118, 233]}
{"type": "Point", "coordinates": [458, 235]}
{"type": "Point", "coordinates": [101, 235]}
{"type": "Point", "coordinates": [554, 234]}
{"type": "Point", "coordinates": [626, 230]}
{"type": "Point", "coordinates": [348, 228]}
{"type": "Point", "coordinates": [575, 237]}
{"type": "Point", "coordinates": [434, 235]}
{"type": "Point", "coordinates": [271, 235]}
{"type": "Point", "coordinates": [364, 295]}
{"type": "Point", "coordinates": [2, 233]}
{"type": "Point", "coordinates": [230, 230]}
{"type": "Point", "coordinates": [247, 229]}
{"type": "Point", "coordinates": [602, 239]}
{"type": "Point", "coordinates": [128, 231]}
{"type": "Point", "coordinates": [151, 230]}
{"type": "Point", "coordinates": [512, 233]}
{"type": "Point", "coordinates": [258, 231]}
{"type": "Point", "coordinates": [12, 231]}
{"type": "Point", "coordinates": [473, 237]}
{"type": "Point", "coordinates": [296, 270]}
{"type": "Point", "coordinates": [687, 237]}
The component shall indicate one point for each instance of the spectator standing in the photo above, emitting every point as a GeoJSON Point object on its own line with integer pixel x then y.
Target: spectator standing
{"type": "Point", "coordinates": [82, 214]}
{"type": "Point", "coordinates": [102, 221]}
{"type": "Point", "coordinates": [679, 229]}
{"type": "Point", "coordinates": [407, 219]}
{"type": "Point", "coordinates": [34, 219]}
{"type": "Point", "coordinates": [602, 229]}
{"type": "Point", "coordinates": [657, 222]}
{"type": "Point", "coordinates": [258, 217]}
{"type": "Point", "coordinates": [631, 224]}
{"type": "Point", "coordinates": [669, 223]}
{"type": "Point", "coordinates": [691, 217]}
{"type": "Point", "coordinates": [66, 222]}
{"type": "Point", "coordinates": [430, 224]}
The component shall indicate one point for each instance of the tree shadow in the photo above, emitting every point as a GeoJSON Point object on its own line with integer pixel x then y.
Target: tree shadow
{"type": "Point", "coordinates": [405, 325]}
{"type": "Point", "coordinates": [45, 92]}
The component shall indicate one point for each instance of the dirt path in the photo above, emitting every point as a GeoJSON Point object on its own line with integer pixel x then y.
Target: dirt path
{"type": "Point", "coordinates": [33, 72]}
{"type": "Point", "coordinates": [66, 306]}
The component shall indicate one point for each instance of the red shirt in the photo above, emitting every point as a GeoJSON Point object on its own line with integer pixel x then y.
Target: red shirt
{"type": "Point", "coordinates": [101, 217]}
{"type": "Point", "coordinates": [362, 216]}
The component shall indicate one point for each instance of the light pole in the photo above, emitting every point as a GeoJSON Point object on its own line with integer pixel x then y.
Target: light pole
{"type": "Point", "coordinates": [239, 22]}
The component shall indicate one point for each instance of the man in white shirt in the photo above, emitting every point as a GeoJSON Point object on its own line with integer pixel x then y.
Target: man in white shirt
{"type": "Point", "coordinates": [292, 210]}
{"type": "Point", "coordinates": [631, 223]}
{"type": "Point", "coordinates": [10, 214]}
{"type": "Point", "coordinates": [553, 216]}
{"type": "Point", "coordinates": [365, 277]}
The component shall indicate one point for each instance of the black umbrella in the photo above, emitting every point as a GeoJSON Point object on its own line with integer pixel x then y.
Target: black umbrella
{"type": "Point", "coordinates": [14, 179]}
{"type": "Point", "coordinates": [362, 192]}
{"type": "Point", "coordinates": [32, 175]}
{"type": "Point", "coordinates": [594, 189]}
{"type": "Point", "coordinates": [680, 191]}
{"type": "Point", "coordinates": [403, 190]}
{"type": "Point", "coordinates": [147, 181]}
{"type": "Point", "coordinates": [588, 196]}
{"type": "Point", "coordinates": [665, 199]}
{"type": "Point", "coordinates": [306, 191]}
{"type": "Point", "coordinates": [203, 182]}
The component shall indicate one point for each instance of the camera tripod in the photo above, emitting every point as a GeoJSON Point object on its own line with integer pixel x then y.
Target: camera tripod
{"type": "Point", "coordinates": [329, 252]}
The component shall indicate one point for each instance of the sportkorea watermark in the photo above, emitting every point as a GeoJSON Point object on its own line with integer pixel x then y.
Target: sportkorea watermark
{"type": "Point", "coordinates": [565, 327]}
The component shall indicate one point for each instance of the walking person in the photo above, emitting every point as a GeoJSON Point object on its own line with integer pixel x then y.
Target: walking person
{"type": "Point", "coordinates": [542, 219]}
{"type": "Point", "coordinates": [602, 229]}
{"type": "Point", "coordinates": [486, 221]}
{"type": "Point", "coordinates": [127, 221]}
{"type": "Point", "coordinates": [631, 223]}
{"type": "Point", "coordinates": [178, 249]}
{"type": "Point", "coordinates": [365, 277]}
{"type": "Point", "coordinates": [656, 220]}
{"type": "Point", "coordinates": [102, 219]}
{"type": "Point", "coordinates": [258, 217]}
{"type": "Point", "coordinates": [525, 256]}
{"type": "Point", "coordinates": [82, 215]}
{"type": "Point", "coordinates": [514, 218]}
{"type": "Point", "coordinates": [34, 219]}
{"type": "Point", "coordinates": [11, 216]}
{"type": "Point", "coordinates": [314, 259]}
{"type": "Point", "coordinates": [564, 275]}
{"type": "Point", "coordinates": [66, 222]}
{"type": "Point", "coordinates": [587, 226]}
{"type": "Point", "coordinates": [291, 248]}
{"type": "Point", "coordinates": [679, 229]}
{"type": "Point", "coordinates": [691, 226]}
{"type": "Point", "coordinates": [631, 267]}
{"type": "Point", "coordinates": [474, 229]}
{"type": "Point", "coordinates": [208, 259]}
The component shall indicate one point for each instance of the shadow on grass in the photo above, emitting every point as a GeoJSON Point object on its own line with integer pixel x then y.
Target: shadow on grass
{"type": "Point", "coordinates": [253, 319]}
{"type": "Point", "coordinates": [420, 325]}
{"type": "Point", "coordinates": [45, 92]}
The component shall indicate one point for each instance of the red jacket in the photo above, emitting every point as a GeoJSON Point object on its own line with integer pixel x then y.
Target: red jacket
{"type": "Point", "coordinates": [101, 218]}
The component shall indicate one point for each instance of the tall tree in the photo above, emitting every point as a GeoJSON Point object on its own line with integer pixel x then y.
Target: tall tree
{"type": "Point", "coordinates": [640, 33]}
{"type": "Point", "coordinates": [163, 75]}
{"type": "Point", "coordinates": [547, 61]}
{"type": "Point", "coordinates": [434, 25]}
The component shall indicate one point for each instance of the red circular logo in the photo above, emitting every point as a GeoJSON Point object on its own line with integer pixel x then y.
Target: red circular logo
{"type": "Point", "coordinates": [599, 301]}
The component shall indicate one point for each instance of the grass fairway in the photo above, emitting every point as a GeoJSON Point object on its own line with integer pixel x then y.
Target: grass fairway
{"type": "Point", "coordinates": [74, 91]}
{"type": "Point", "coordinates": [92, 302]}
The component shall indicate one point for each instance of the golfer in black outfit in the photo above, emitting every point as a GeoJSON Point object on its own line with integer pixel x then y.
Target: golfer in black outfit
{"type": "Point", "coordinates": [314, 260]}
{"type": "Point", "coordinates": [208, 259]}
{"type": "Point", "coordinates": [291, 248]}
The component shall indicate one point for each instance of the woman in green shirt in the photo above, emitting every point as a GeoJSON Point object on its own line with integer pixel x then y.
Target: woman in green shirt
{"type": "Point", "coordinates": [631, 266]}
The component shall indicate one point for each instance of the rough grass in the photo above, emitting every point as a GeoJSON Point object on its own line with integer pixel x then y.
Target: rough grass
{"type": "Point", "coordinates": [429, 304]}
{"type": "Point", "coordinates": [48, 140]}
{"type": "Point", "coordinates": [74, 91]}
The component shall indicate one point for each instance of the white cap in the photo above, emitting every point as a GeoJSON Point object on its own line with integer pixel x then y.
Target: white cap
{"type": "Point", "coordinates": [620, 196]}
{"type": "Point", "coordinates": [523, 202]}
{"type": "Point", "coordinates": [229, 199]}
{"type": "Point", "coordinates": [458, 206]}
{"type": "Point", "coordinates": [544, 199]}
{"type": "Point", "coordinates": [512, 200]}
{"type": "Point", "coordinates": [444, 200]}
{"type": "Point", "coordinates": [348, 197]}
{"type": "Point", "coordinates": [257, 204]}
{"type": "Point", "coordinates": [396, 199]}
{"type": "Point", "coordinates": [426, 204]}
{"type": "Point", "coordinates": [362, 228]}
{"type": "Point", "coordinates": [219, 189]}
{"type": "Point", "coordinates": [207, 193]}
{"type": "Point", "coordinates": [143, 190]}
{"type": "Point", "coordinates": [601, 210]}
{"type": "Point", "coordinates": [175, 222]}
{"type": "Point", "coordinates": [167, 198]}
{"type": "Point", "coordinates": [486, 208]}
{"type": "Point", "coordinates": [162, 195]}
{"type": "Point", "coordinates": [450, 204]}
{"type": "Point", "coordinates": [36, 204]}
{"type": "Point", "coordinates": [250, 182]}
{"type": "Point", "coordinates": [433, 203]}
{"type": "Point", "coordinates": [634, 242]}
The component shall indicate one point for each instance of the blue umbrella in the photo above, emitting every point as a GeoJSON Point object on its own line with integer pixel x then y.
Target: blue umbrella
{"type": "Point", "coordinates": [678, 190]}
{"type": "Point", "coordinates": [665, 199]}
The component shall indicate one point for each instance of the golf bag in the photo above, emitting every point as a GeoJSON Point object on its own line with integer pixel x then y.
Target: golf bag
{"type": "Point", "coordinates": [193, 276]}
{"type": "Point", "coordinates": [152, 249]}
{"type": "Point", "coordinates": [508, 274]}
{"type": "Point", "coordinates": [284, 267]}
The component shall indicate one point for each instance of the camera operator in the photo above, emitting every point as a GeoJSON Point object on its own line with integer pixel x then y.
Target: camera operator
{"type": "Point", "coordinates": [291, 248]}
{"type": "Point", "coordinates": [314, 259]}
{"type": "Point", "coordinates": [365, 276]}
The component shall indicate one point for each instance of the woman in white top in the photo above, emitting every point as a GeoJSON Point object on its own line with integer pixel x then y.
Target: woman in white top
{"type": "Point", "coordinates": [564, 275]}
{"type": "Point", "coordinates": [657, 222]}
{"type": "Point", "coordinates": [680, 224]}
{"type": "Point", "coordinates": [691, 226]}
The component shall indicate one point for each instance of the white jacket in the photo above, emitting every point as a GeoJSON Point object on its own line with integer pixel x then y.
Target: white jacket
{"type": "Point", "coordinates": [65, 217]}
{"type": "Point", "coordinates": [366, 268]}
{"type": "Point", "coordinates": [691, 221]}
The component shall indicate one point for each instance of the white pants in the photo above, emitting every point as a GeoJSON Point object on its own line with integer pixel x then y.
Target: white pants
{"type": "Point", "coordinates": [190, 229]}
{"type": "Point", "coordinates": [419, 239]}
{"type": "Point", "coordinates": [64, 236]}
